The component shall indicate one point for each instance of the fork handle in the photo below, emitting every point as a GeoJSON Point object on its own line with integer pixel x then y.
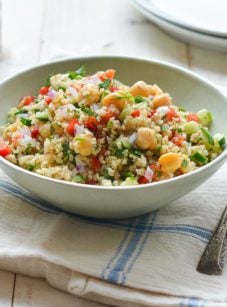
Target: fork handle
{"type": "Point", "coordinates": [212, 260]}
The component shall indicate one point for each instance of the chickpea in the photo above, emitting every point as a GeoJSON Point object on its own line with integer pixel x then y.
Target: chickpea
{"type": "Point", "coordinates": [58, 129]}
{"type": "Point", "coordinates": [44, 131]}
{"type": "Point", "coordinates": [146, 138]}
{"type": "Point", "coordinates": [140, 88]}
{"type": "Point", "coordinates": [162, 100]}
{"type": "Point", "coordinates": [83, 144]}
{"type": "Point", "coordinates": [155, 90]}
{"type": "Point", "coordinates": [116, 99]}
{"type": "Point", "coordinates": [170, 162]}
{"type": "Point", "coordinates": [9, 130]}
{"type": "Point", "coordinates": [89, 94]}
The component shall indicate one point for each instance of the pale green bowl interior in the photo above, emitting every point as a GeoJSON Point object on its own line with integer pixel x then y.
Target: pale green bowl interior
{"type": "Point", "coordinates": [188, 91]}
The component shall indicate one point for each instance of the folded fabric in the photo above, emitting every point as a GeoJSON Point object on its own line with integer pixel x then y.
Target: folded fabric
{"type": "Point", "coordinates": [146, 261]}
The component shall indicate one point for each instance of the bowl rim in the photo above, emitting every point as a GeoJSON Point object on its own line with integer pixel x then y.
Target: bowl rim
{"type": "Point", "coordinates": [172, 66]}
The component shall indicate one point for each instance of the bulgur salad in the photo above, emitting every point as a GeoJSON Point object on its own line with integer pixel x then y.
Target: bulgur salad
{"type": "Point", "coordinates": [93, 129]}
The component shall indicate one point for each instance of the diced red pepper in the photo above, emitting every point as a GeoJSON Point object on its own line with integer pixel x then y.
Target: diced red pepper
{"type": "Point", "coordinates": [178, 139]}
{"type": "Point", "coordinates": [27, 100]}
{"type": "Point", "coordinates": [95, 164]}
{"type": "Point", "coordinates": [4, 148]}
{"type": "Point", "coordinates": [171, 114]}
{"type": "Point", "coordinates": [93, 182]}
{"type": "Point", "coordinates": [91, 123]}
{"type": "Point", "coordinates": [143, 180]}
{"type": "Point", "coordinates": [35, 132]}
{"type": "Point", "coordinates": [156, 169]}
{"type": "Point", "coordinates": [44, 90]}
{"type": "Point", "coordinates": [151, 113]}
{"type": "Point", "coordinates": [192, 117]}
{"type": "Point", "coordinates": [71, 126]}
{"type": "Point", "coordinates": [113, 88]}
{"type": "Point", "coordinates": [178, 172]}
{"type": "Point", "coordinates": [48, 100]}
{"type": "Point", "coordinates": [135, 113]}
{"type": "Point", "coordinates": [107, 116]}
{"type": "Point", "coordinates": [108, 74]}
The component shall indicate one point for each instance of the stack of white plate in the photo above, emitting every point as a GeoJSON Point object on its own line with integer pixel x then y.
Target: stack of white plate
{"type": "Point", "coordinates": [201, 22]}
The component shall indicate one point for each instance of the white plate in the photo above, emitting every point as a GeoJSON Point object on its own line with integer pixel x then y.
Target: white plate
{"type": "Point", "coordinates": [205, 16]}
{"type": "Point", "coordinates": [197, 38]}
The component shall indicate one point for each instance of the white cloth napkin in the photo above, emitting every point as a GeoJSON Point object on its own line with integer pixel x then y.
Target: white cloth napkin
{"type": "Point", "coordinates": [147, 261]}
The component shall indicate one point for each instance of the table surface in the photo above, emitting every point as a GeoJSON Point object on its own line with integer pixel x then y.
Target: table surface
{"type": "Point", "coordinates": [35, 31]}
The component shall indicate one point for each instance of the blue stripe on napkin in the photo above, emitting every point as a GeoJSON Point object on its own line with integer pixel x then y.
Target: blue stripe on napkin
{"type": "Point", "coordinates": [193, 302]}
{"type": "Point", "coordinates": [130, 226]}
{"type": "Point", "coordinates": [116, 271]}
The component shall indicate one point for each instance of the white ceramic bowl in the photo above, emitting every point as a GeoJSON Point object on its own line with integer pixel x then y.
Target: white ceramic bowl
{"type": "Point", "coordinates": [184, 34]}
{"type": "Point", "coordinates": [187, 89]}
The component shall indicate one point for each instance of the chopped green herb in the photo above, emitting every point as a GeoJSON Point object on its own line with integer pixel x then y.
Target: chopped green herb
{"type": "Point", "coordinates": [136, 152]}
{"type": "Point", "coordinates": [105, 84]}
{"type": "Point", "coordinates": [127, 175]}
{"type": "Point", "coordinates": [78, 179]}
{"type": "Point", "coordinates": [139, 99]}
{"type": "Point", "coordinates": [179, 130]}
{"type": "Point", "coordinates": [78, 74]}
{"type": "Point", "coordinates": [48, 80]}
{"type": "Point", "coordinates": [61, 88]}
{"type": "Point", "coordinates": [88, 111]}
{"type": "Point", "coordinates": [30, 167]}
{"type": "Point", "coordinates": [118, 152]}
{"type": "Point", "coordinates": [106, 174]}
{"type": "Point", "coordinates": [109, 124]}
{"type": "Point", "coordinates": [26, 121]}
{"type": "Point", "coordinates": [29, 149]}
{"type": "Point", "coordinates": [21, 111]}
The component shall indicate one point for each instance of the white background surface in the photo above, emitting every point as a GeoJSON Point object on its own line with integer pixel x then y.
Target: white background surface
{"type": "Point", "coordinates": [35, 31]}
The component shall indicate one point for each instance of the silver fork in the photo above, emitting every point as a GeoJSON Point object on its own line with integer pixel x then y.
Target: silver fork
{"type": "Point", "coordinates": [212, 260]}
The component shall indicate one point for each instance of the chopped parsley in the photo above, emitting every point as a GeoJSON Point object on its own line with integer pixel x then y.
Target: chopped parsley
{"type": "Point", "coordinates": [77, 74]}
{"type": "Point", "coordinates": [61, 88]}
{"type": "Point", "coordinates": [139, 99]}
{"type": "Point", "coordinates": [78, 179]}
{"type": "Point", "coordinates": [26, 121]}
{"type": "Point", "coordinates": [106, 174]}
{"type": "Point", "coordinates": [48, 80]}
{"type": "Point", "coordinates": [105, 84]}
{"type": "Point", "coordinates": [30, 167]}
{"type": "Point", "coordinates": [88, 111]}
{"type": "Point", "coordinates": [136, 152]}
{"type": "Point", "coordinates": [21, 111]}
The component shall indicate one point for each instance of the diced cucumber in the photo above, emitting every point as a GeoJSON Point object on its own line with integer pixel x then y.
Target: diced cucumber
{"type": "Point", "coordinates": [205, 117]}
{"type": "Point", "coordinates": [129, 181]}
{"type": "Point", "coordinates": [124, 113]}
{"type": "Point", "coordinates": [140, 105]}
{"type": "Point", "coordinates": [191, 127]}
{"type": "Point", "coordinates": [122, 143]}
{"type": "Point", "coordinates": [208, 139]}
{"type": "Point", "coordinates": [78, 179]}
{"type": "Point", "coordinates": [220, 139]}
{"type": "Point", "coordinates": [125, 143]}
{"type": "Point", "coordinates": [42, 116]}
{"type": "Point", "coordinates": [198, 158]}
